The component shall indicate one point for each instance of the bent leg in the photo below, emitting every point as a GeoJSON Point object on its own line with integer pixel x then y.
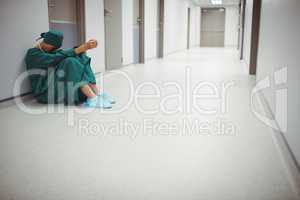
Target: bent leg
{"type": "Point", "coordinates": [95, 88]}
{"type": "Point", "coordinates": [88, 91]}
{"type": "Point", "coordinates": [89, 74]}
{"type": "Point", "coordinates": [75, 88]}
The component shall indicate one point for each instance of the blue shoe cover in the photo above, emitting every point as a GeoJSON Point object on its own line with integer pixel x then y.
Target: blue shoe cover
{"type": "Point", "coordinates": [107, 97]}
{"type": "Point", "coordinates": [97, 102]}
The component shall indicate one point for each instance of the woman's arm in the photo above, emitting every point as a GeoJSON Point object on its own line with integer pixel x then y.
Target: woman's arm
{"type": "Point", "coordinates": [91, 44]}
{"type": "Point", "coordinates": [44, 60]}
{"type": "Point", "coordinates": [41, 59]}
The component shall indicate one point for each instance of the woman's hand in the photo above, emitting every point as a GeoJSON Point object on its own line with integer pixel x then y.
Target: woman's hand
{"type": "Point", "coordinates": [91, 44]}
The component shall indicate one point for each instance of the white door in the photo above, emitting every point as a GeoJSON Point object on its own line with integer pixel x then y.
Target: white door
{"type": "Point", "coordinates": [213, 27]}
{"type": "Point", "coordinates": [151, 29]}
{"type": "Point", "coordinates": [63, 18]}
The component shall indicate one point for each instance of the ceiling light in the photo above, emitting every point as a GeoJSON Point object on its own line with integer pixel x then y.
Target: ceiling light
{"type": "Point", "coordinates": [216, 2]}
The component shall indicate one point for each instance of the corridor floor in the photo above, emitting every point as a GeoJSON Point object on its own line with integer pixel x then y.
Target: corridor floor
{"type": "Point", "coordinates": [203, 142]}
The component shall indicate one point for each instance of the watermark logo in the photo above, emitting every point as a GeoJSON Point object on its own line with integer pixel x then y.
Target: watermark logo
{"type": "Point", "coordinates": [149, 98]}
{"type": "Point", "coordinates": [149, 127]}
{"type": "Point", "coordinates": [280, 118]}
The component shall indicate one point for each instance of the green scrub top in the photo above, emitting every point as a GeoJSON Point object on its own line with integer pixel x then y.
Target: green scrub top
{"type": "Point", "coordinates": [56, 77]}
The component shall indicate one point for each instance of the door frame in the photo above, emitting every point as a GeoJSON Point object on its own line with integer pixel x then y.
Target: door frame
{"type": "Point", "coordinates": [242, 28]}
{"type": "Point", "coordinates": [200, 21]}
{"type": "Point", "coordinates": [80, 18]}
{"type": "Point", "coordinates": [142, 31]}
{"type": "Point", "coordinates": [188, 27]}
{"type": "Point", "coordinates": [161, 27]}
{"type": "Point", "coordinates": [255, 36]}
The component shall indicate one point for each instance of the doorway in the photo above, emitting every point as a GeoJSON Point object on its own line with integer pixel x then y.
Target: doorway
{"type": "Point", "coordinates": [152, 29]}
{"type": "Point", "coordinates": [212, 27]}
{"type": "Point", "coordinates": [124, 33]}
{"type": "Point", "coordinates": [68, 17]}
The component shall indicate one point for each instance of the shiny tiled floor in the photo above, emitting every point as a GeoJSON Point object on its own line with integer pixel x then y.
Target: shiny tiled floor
{"type": "Point", "coordinates": [211, 150]}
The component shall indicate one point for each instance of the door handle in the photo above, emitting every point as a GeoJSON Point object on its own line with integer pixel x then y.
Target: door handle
{"type": "Point", "coordinates": [107, 12]}
{"type": "Point", "coordinates": [139, 20]}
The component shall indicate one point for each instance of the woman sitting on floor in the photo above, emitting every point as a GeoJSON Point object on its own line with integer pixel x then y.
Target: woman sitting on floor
{"type": "Point", "coordinates": [64, 76]}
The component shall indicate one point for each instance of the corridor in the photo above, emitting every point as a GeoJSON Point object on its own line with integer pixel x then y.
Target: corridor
{"type": "Point", "coordinates": [201, 143]}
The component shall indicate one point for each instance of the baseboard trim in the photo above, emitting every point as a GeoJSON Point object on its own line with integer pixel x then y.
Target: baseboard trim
{"type": "Point", "coordinates": [4, 103]}
{"type": "Point", "coordinates": [286, 154]}
{"type": "Point", "coordinates": [7, 102]}
{"type": "Point", "coordinates": [11, 98]}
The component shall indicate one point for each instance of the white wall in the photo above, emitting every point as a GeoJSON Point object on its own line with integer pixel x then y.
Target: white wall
{"type": "Point", "coordinates": [231, 26]}
{"type": "Point", "coordinates": [151, 29]}
{"type": "Point", "coordinates": [20, 26]}
{"type": "Point", "coordinates": [175, 26]}
{"type": "Point", "coordinates": [247, 31]}
{"type": "Point", "coordinates": [19, 35]}
{"type": "Point", "coordinates": [94, 10]}
{"type": "Point", "coordinates": [195, 31]}
{"type": "Point", "coordinates": [279, 47]}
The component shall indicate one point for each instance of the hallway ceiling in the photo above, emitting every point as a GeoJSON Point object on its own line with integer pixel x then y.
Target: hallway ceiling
{"type": "Point", "coordinates": [208, 3]}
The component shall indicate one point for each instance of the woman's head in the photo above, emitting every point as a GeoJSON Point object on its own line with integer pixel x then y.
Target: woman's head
{"type": "Point", "coordinates": [52, 40]}
{"type": "Point", "coordinates": [47, 47]}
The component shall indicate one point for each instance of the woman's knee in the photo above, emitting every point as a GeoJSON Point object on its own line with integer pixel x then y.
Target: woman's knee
{"type": "Point", "coordinates": [72, 63]}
